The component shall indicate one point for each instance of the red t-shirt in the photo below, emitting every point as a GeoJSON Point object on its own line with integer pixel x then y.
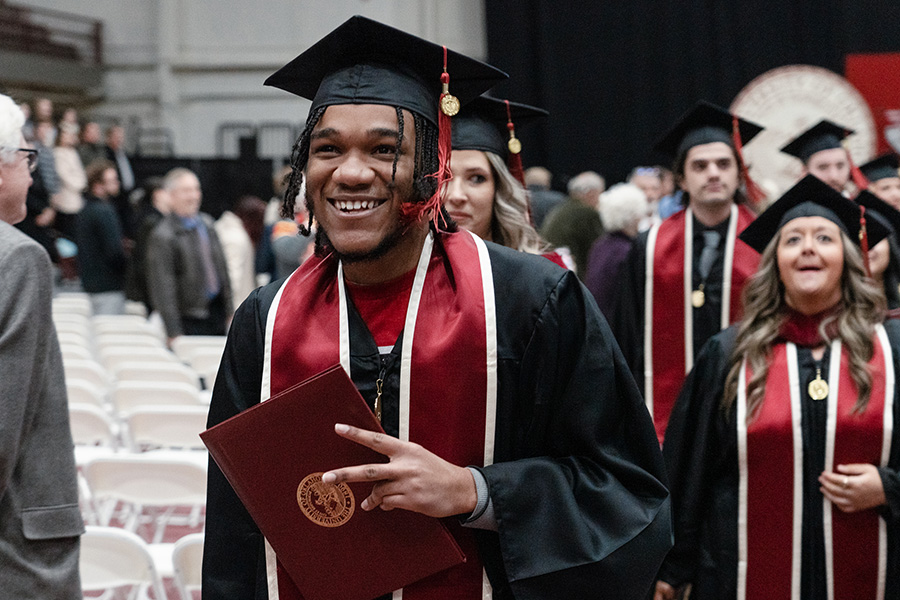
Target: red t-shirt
{"type": "Point", "coordinates": [382, 306]}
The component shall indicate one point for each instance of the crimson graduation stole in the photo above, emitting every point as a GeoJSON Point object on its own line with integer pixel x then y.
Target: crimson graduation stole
{"type": "Point", "coordinates": [770, 459]}
{"type": "Point", "coordinates": [668, 313]}
{"type": "Point", "coordinates": [449, 333]}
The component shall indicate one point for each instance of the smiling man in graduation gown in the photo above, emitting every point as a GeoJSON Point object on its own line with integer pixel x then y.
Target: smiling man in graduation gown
{"type": "Point", "coordinates": [683, 278]}
{"type": "Point", "coordinates": [509, 406]}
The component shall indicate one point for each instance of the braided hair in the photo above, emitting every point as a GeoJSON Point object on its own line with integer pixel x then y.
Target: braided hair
{"type": "Point", "coordinates": [425, 163]}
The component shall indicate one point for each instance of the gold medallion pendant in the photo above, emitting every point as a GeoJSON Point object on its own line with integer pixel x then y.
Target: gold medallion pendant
{"type": "Point", "coordinates": [818, 387]}
{"type": "Point", "coordinates": [449, 105]}
{"type": "Point", "coordinates": [698, 298]}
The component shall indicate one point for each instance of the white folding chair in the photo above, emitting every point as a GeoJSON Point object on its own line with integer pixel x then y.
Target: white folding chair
{"type": "Point", "coordinates": [65, 317]}
{"type": "Point", "coordinates": [75, 351]}
{"type": "Point", "coordinates": [135, 308]}
{"type": "Point", "coordinates": [81, 391]}
{"type": "Point", "coordinates": [187, 562]}
{"type": "Point", "coordinates": [112, 558]}
{"type": "Point", "coordinates": [170, 427]}
{"type": "Point", "coordinates": [156, 372]}
{"type": "Point", "coordinates": [87, 370]}
{"type": "Point", "coordinates": [113, 356]}
{"type": "Point", "coordinates": [124, 325]}
{"type": "Point", "coordinates": [205, 361]}
{"type": "Point", "coordinates": [130, 395]}
{"type": "Point", "coordinates": [92, 426]}
{"type": "Point", "coordinates": [71, 338]}
{"type": "Point", "coordinates": [184, 346]}
{"type": "Point", "coordinates": [81, 329]}
{"type": "Point", "coordinates": [79, 304]}
{"type": "Point", "coordinates": [155, 483]}
{"type": "Point", "coordinates": [94, 434]}
{"type": "Point", "coordinates": [132, 340]}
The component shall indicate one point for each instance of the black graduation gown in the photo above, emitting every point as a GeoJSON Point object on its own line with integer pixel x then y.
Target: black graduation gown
{"type": "Point", "coordinates": [701, 458]}
{"type": "Point", "coordinates": [627, 320]}
{"type": "Point", "coordinates": [578, 481]}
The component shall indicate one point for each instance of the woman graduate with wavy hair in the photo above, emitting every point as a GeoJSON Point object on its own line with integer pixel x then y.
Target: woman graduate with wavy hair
{"type": "Point", "coordinates": [781, 450]}
{"type": "Point", "coordinates": [487, 194]}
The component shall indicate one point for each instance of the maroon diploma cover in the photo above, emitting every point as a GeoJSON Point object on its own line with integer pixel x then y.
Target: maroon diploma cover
{"type": "Point", "coordinates": [274, 454]}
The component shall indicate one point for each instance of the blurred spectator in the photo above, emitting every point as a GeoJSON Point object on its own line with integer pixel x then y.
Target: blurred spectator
{"type": "Point", "coordinates": [28, 128]}
{"type": "Point", "coordinates": [279, 185]}
{"type": "Point", "coordinates": [621, 209]}
{"type": "Point", "coordinates": [90, 148]}
{"type": "Point", "coordinates": [72, 179]}
{"type": "Point", "coordinates": [239, 231]}
{"type": "Point", "coordinates": [649, 180]}
{"type": "Point", "coordinates": [101, 255]}
{"type": "Point", "coordinates": [186, 271]}
{"type": "Point", "coordinates": [115, 151]}
{"type": "Point", "coordinates": [43, 113]}
{"type": "Point", "coordinates": [282, 248]}
{"type": "Point", "coordinates": [38, 222]}
{"type": "Point", "coordinates": [153, 205]}
{"type": "Point", "coordinates": [40, 521]}
{"type": "Point", "coordinates": [541, 199]}
{"type": "Point", "coordinates": [575, 224]}
{"type": "Point", "coordinates": [671, 201]}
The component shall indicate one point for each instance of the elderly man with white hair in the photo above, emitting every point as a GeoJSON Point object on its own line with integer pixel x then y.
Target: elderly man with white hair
{"type": "Point", "coordinates": [40, 522]}
{"type": "Point", "coordinates": [575, 224]}
{"type": "Point", "coordinates": [621, 209]}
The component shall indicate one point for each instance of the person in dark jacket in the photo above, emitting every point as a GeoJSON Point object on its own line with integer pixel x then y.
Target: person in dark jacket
{"type": "Point", "coordinates": [101, 254]}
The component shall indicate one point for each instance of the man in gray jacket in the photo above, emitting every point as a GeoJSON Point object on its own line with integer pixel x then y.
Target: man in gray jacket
{"type": "Point", "coordinates": [186, 272]}
{"type": "Point", "coordinates": [40, 522]}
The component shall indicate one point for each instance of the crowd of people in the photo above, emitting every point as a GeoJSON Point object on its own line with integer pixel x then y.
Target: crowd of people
{"type": "Point", "coordinates": [675, 358]}
{"type": "Point", "coordinates": [121, 239]}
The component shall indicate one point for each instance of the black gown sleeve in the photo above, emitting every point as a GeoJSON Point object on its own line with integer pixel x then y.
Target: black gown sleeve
{"type": "Point", "coordinates": [890, 475]}
{"type": "Point", "coordinates": [627, 316]}
{"type": "Point", "coordinates": [234, 564]}
{"type": "Point", "coordinates": [696, 450]}
{"type": "Point", "coordinates": [585, 513]}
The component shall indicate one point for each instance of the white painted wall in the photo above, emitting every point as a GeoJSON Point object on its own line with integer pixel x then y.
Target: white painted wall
{"type": "Point", "coordinates": [191, 65]}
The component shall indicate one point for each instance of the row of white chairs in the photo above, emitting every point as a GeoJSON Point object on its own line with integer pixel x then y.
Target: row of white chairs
{"type": "Point", "coordinates": [141, 428]}
{"type": "Point", "coordinates": [80, 303]}
{"type": "Point", "coordinates": [152, 489]}
{"type": "Point", "coordinates": [112, 559]}
{"type": "Point", "coordinates": [130, 370]}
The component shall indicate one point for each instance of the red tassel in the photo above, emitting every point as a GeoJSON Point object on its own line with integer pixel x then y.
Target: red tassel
{"type": "Point", "coordinates": [514, 158]}
{"type": "Point", "coordinates": [859, 180]}
{"type": "Point", "coordinates": [864, 239]}
{"type": "Point", "coordinates": [754, 193]}
{"type": "Point", "coordinates": [414, 212]}
{"type": "Point", "coordinates": [515, 167]}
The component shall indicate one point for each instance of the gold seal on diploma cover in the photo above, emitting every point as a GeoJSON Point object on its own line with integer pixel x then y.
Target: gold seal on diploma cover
{"type": "Point", "coordinates": [449, 105]}
{"type": "Point", "coordinates": [698, 298]}
{"type": "Point", "coordinates": [818, 388]}
{"type": "Point", "coordinates": [325, 504]}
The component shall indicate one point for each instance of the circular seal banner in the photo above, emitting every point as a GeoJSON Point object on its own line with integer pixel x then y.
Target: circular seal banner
{"type": "Point", "coordinates": [325, 504]}
{"type": "Point", "coordinates": [786, 101]}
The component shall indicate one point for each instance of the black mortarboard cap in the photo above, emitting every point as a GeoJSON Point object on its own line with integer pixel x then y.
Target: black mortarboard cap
{"type": "Point", "coordinates": [880, 209]}
{"type": "Point", "coordinates": [811, 197]}
{"type": "Point", "coordinates": [824, 135]}
{"type": "Point", "coordinates": [882, 167]}
{"type": "Point", "coordinates": [705, 123]}
{"type": "Point", "coordinates": [366, 62]}
{"type": "Point", "coordinates": [483, 124]}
